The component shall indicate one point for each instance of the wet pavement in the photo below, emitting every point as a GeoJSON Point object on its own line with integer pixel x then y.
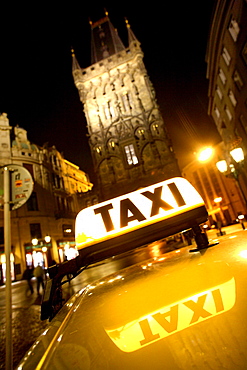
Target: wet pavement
{"type": "Point", "coordinates": [26, 323]}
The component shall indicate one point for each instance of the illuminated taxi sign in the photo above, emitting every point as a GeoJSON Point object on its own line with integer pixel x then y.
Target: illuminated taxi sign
{"type": "Point", "coordinates": [172, 319]}
{"type": "Point", "coordinates": [135, 210]}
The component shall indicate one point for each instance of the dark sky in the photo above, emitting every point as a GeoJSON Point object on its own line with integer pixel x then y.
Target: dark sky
{"type": "Point", "coordinates": [37, 90]}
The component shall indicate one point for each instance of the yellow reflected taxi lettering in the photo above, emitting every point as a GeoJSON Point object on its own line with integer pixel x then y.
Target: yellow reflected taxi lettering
{"type": "Point", "coordinates": [169, 320]}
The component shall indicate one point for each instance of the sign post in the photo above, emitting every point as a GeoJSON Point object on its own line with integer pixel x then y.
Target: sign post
{"type": "Point", "coordinates": [7, 248]}
{"type": "Point", "coordinates": [17, 186]}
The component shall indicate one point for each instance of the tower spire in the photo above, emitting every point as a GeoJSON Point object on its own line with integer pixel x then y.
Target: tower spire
{"type": "Point", "coordinates": [75, 64]}
{"type": "Point", "coordinates": [104, 39]}
{"type": "Point", "coordinates": [131, 35]}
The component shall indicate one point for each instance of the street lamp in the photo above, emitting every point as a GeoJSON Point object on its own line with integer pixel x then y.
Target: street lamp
{"type": "Point", "coordinates": [47, 239]}
{"type": "Point", "coordinates": [205, 154]}
{"type": "Point", "coordinates": [232, 169]}
{"type": "Point", "coordinates": [218, 201]}
{"type": "Point", "coordinates": [35, 241]}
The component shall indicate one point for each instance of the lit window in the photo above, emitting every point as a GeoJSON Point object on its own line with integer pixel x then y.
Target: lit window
{"type": "Point", "coordinates": [67, 230]}
{"type": "Point", "coordinates": [228, 113]}
{"type": "Point", "coordinates": [238, 80]}
{"type": "Point", "coordinates": [130, 154]}
{"type": "Point", "coordinates": [109, 110]}
{"type": "Point", "coordinates": [232, 98]}
{"type": "Point", "coordinates": [222, 76]}
{"type": "Point", "coordinates": [226, 56]}
{"type": "Point", "coordinates": [219, 92]}
{"type": "Point", "coordinates": [244, 52]}
{"type": "Point", "coordinates": [98, 149]}
{"type": "Point", "coordinates": [156, 128]}
{"type": "Point", "coordinates": [141, 133]}
{"type": "Point", "coordinates": [126, 101]}
{"type": "Point", "coordinates": [234, 29]}
{"type": "Point", "coordinates": [216, 111]}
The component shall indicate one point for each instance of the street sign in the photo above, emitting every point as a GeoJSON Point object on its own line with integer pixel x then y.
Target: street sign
{"type": "Point", "coordinates": [21, 186]}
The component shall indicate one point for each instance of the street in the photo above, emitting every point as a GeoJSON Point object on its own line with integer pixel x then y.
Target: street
{"type": "Point", "coordinates": [27, 325]}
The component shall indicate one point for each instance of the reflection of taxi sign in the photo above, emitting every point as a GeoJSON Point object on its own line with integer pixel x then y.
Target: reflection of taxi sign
{"type": "Point", "coordinates": [141, 209]}
{"type": "Point", "coordinates": [169, 320]}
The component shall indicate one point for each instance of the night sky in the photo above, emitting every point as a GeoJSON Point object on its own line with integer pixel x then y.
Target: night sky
{"type": "Point", "coordinates": [37, 88]}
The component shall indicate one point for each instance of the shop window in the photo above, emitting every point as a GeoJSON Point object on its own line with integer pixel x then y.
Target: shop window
{"type": "Point", "coordinates": [35, 231]}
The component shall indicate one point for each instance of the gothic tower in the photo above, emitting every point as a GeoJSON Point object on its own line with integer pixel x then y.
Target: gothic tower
{"type": "Point", "coordinates": [128, 139]}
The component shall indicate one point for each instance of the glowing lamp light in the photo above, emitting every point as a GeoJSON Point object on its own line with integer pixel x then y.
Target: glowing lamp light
{"type": "Point", "coordinates": [35, 241]}
{"type": "Point", "coordinates": [240, 217]}
{"type": "Point", "coordinates": [237, 154]}
{"type": "Point", "coordinates": [47, 239]}
{"type": "Point", "coordinates": [218, 199]}
{"type": "Point", "coordinates": [205, 154]}
{"type": "Point", "coordinates": [222, 166]}
{"type": "Point", "coordinates": [44, 249]}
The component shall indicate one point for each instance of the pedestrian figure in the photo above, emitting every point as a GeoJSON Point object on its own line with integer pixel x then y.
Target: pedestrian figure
{"type": "Point", "coordinates": [27, 275]}
{"type": "Point", "coordinates": [219, 225]}
{"type": "Point", "coordinates": [242, 224]}
{"type": "Point", "coordinates": [39, 274]}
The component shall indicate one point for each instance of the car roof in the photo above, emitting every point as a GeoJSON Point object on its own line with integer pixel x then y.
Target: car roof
{"type": "Point", "coordinates": [183, 309]}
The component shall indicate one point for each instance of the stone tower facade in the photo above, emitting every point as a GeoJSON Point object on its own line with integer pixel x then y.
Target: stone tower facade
{"type": "Point", "coordinates": [128, 139]}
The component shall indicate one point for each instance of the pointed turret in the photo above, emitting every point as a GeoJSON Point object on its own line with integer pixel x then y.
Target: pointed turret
{"type": "Point", "coordinates": [104, 39]}
{"type": "Point", "coordinates": [75, 64]}
{"type": "Point", "coordinates": [131, 35]}
{"type": "Point", "coordinates": [77, 75]}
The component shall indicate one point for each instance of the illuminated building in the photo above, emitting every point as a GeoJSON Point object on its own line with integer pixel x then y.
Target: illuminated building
{"type": "Point", "coordinates": [52, 207]}
{"type": "Point", "coordinates": [227, 74]}
{"type": "Point", "coordinates": [211, 184]}
{"type": "Point", "coordinates": [129, 143]}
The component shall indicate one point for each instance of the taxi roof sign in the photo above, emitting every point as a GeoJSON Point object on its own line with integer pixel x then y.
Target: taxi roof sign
{"type": "Point", "coordinates": [158, 204]}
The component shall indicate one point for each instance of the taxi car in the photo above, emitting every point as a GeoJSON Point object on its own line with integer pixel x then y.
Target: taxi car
{"type": "Point", "coordinates": [183, 309]}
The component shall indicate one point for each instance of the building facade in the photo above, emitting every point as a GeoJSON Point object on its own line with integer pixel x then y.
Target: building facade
{"type": "Point", "coordinates": [227, 73]}
{"type": "Point", "coordinates": [128, 139]}
{"type": "Point", "coordinates": [222, 195]}
{"type": "Point", "coordinates": [42, 230]}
